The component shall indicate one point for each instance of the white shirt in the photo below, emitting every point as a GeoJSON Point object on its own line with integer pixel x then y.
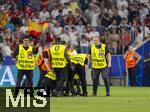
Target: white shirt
{"type": "Point", "coordinates": [64, 1]}
{"type": "Point", "coordinates": [66, 11]}
{"type": "Point", "coordinates": [123, 14]}
{"type": "Point", "coordinates": [24, 29]}
{"type": "Point", "coordinates": [94, 20]}
{"type": "Point", "coordinates": [54, 13]}
{"type": "Point", "coordinates": [44, 15]}
{"type": "Point", "coordinates": [65, 37]}
{"type": "Point", "coordinates": [57, 30]}
{"type": "Point", "coordinates": [122, 2]}
{"type": "Point", "coordinates": [83, 43]}
{"type": "Point", "coordinates": [6, 50]}
{"type": "Point", "coordinates": [73, 38]}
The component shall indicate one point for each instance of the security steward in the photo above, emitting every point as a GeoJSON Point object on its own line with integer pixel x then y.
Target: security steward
{"type": "Point", "coordinates": [25, 64]}
{"type": "Point", "coordinates": [49, 83]}
{"type": "Point", "coordinates": [81, 62]}
{"type": "Point", "coordinates": [59, 60]}
{"type": "Point", "coordinates": [131, 60]}
{"type": "Point", "coordinates": [71, 72]}
{"type": "Point", "coordinates": [101, 60]}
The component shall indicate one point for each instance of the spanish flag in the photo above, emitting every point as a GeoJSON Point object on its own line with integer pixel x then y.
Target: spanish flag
{"type": "Point", "coordinates": [35, 29]}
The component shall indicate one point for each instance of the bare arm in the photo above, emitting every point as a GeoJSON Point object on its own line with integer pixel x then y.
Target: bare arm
{"type": "Point", "coordinates": [138, 57]}
{"type": "Point", "coordinates": [109, 59]}
{"type": "Point", "coordinates": [46, 64]}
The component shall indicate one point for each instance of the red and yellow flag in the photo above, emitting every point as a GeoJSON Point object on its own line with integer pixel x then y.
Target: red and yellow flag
{"type": "Point", "coordinates": [35, 29]}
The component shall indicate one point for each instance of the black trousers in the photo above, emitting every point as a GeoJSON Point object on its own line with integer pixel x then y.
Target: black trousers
{"type": "Point", "coordinates": [95, 79]}
{"type": "Point", "coordinates": [70, 81]}
{"type": "Point", "coordinates": [28, 82]}
{"type": "Point", "coordinates": [80, 70]}
{"type": "Point", "coordinates": [132, 76]}
{"type": "Point", "coordinates": [61, 77]}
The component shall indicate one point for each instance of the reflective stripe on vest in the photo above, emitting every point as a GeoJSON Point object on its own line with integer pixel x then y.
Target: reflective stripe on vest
{"type": "Point", "coordinates": [25, 59]}
{"type": "Point", "coordinates": [58, 58]}
{"type": "Point", "coordinates": [51, 75]}
{"type": "Point", "coordinates": [98, 57]}
{"type": "Point", "coordinates": [79, 59]}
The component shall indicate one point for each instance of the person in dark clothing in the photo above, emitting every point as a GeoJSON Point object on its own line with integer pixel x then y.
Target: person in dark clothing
{"type": "Point", "coordinates": [80, 69]}
{"type": "Point", "coordinates": [101, 60]}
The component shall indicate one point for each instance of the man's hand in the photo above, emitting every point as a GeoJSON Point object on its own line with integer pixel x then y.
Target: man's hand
{"type": "Point", "coordinates": [109, 65]}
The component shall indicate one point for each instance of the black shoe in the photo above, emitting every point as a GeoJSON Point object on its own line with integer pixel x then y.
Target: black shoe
{"type": "Point", "coordinates": [108, 94]}
{"type": "Point", "coordinates": [84, 94]}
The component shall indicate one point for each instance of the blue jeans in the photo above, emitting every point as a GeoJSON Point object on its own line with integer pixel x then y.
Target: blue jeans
{"type": "Point", "coordinates": [84, 49]}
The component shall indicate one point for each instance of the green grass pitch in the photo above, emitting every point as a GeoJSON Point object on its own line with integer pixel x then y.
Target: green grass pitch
{"type": "Point", "coordinates": [122, 99]}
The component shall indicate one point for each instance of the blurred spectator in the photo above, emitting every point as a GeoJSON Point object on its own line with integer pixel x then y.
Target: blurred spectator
{"type": "Point", "coordinates": [70, 18]}
{"type": "Point", "coordinates": [74, 37]}
{"type": "Point", "coordinates": [44, 14]}
{"type": "Point", "coordinates": [44, 4]}
{"type": "Point", "coordinates": [80, 27]}
{"type": "Point", "coordinates": [123, 12]}
{"type": "Point", "coordinates": [57, 29]}
{"type": "Point", "coordinates": [81, 18]}
{"type": "Point", "coordinates": [115, 42]}
{"type": "Point", "coordinates": [17, 33]}
{"type": "Point", "coordinates": [65, 36]}
{"type": "Point", "coordinates": [6, 49]}
{"type": "Point", "coordinates": [59, 17]}
{"type": "Point", "coordinates": [66, 9]}
{"type": "Point", "coordinates": [55, 11]}
{"type": "Point", "coordinates": [49, 36]}
{"type": "Point", "coordinates": [105, 20]}
{"type": "Point", "coordinates": [7, 36]}
{"type": "Point", "coordinates": [73, 6]}
{"type": "Point", "coordinates": [139, 38]}
{"type": "Point", "coordinates": [120, 3]}
{"type": "Point", "coordinates": [113, 25]}
{"type": "Point", "coordinates": [84, 42]}
{"type": "Point", "coordinates": [94, 18]}
{"type": "Point", "coordinates": [24, 28]}
{"type": "Point", "coordinates": [116, 16]}
{"type": "Point", "coordinates": [133, 12]}
{"type": "Point", "coordinates": [126, 39]}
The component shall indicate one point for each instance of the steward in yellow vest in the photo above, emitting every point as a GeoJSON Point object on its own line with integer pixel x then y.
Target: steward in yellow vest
{"type": "Point", "coordinates": [98, 56]}
{"type": "Point", "coordinates": [81, 61]}
{"type": "Point", "coordinates": [59, 60]}
{"type": "Point", "coordinates": [58, 56]}
{"type": "Point", "coordinates": [101, 60]}
{"type": "Point", "coordinates": [50, 82]}
{"type": "Point", "coordinates": [25, 63]}
{"type": "Point", "coordinates": [25, 59]}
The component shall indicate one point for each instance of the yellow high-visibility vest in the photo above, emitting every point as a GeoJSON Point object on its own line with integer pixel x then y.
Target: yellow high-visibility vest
{"type": "Point", "coordinates": [25, 59]}
{"type": "Point", "coordinates": [57, 55]}
{"type": "Point", "coordinates": [98, 57]}
{"type": "Point", "coordinates": [51, 75]}
{"type": "Point", "coordinates": [79, 59]}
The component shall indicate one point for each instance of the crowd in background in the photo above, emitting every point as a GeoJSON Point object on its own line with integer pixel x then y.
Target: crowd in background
{"type": "Point", "coordinates": [117, 22]}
